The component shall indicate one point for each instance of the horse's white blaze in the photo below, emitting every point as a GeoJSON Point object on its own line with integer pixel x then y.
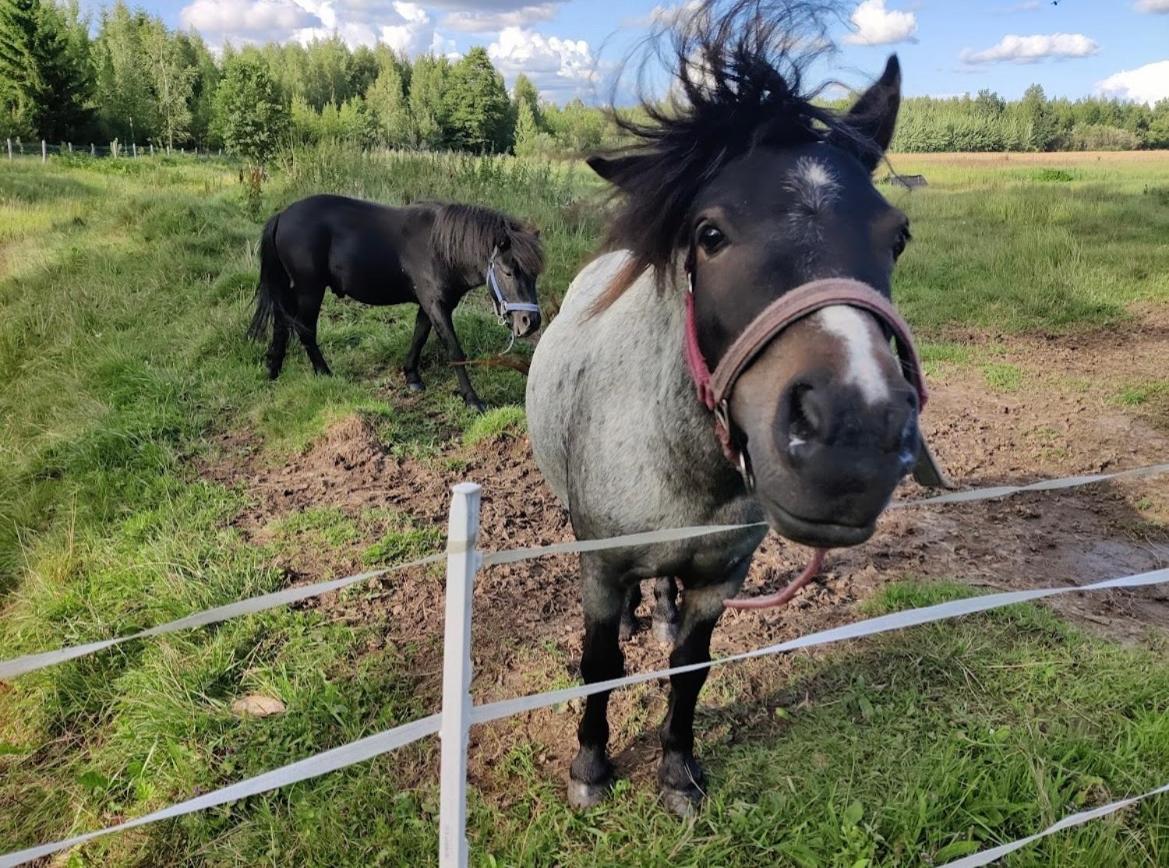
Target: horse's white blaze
{"type": "Point", "coordinates": [814, 182]}
{"type": "Point", "coordinates": [863, 367]}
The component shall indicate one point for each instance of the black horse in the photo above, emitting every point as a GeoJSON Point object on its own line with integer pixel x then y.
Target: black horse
{"type": "Point", "coordinates": [428, 253]}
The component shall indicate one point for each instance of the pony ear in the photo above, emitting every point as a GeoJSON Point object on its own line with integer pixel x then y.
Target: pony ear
{"type": "Point", "coordinates": [618, 170]}
{"type": "Point", "coordinates": [874, 116]}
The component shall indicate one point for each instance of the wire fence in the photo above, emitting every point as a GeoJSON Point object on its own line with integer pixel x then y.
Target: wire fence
{"type": "Point", "coordinates": [43, 150]}
{"type": "Point", "coordinates": [459, 711]}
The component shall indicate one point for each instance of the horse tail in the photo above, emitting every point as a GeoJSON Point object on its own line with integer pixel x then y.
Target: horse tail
{"type": "Point", "coordinates": [274, 286]}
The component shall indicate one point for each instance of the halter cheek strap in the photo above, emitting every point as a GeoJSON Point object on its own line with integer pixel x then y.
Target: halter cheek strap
{"type": "Point", "coordinates": [502, 306]}
{"type": "Point", "coordinates": [714, 389]}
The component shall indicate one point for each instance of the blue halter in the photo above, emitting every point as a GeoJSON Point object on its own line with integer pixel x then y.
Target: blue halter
{"type": "Point", "coordinates": [502, 306]}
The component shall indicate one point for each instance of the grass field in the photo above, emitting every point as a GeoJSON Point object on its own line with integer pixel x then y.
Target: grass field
{"type": "Point", "coordinates": [124, 291]}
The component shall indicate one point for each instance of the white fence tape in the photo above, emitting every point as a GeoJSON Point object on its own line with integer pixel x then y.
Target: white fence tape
{"type": "Point", "coordinates": [31, 662]}
{"type": "Point", "coordinates": [367, 748]}
{"type": "Point", "coordinates": [364, 749]}
{"type": "Point", "coordinates": [322, 763]}
{"type": "Point", "coordinates": [985, 857]}
{"type": "Point", "coordinates": [872, 626]}
{"type": "Point", "coordinates": [1043, 485]}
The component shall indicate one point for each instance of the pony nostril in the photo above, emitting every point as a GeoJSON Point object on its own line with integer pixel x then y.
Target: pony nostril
{"type": "Point", "coordinates": [804, 420]}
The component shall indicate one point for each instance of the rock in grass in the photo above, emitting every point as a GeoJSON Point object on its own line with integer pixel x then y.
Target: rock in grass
{"type": "Point", "coordinates": [255, 705]}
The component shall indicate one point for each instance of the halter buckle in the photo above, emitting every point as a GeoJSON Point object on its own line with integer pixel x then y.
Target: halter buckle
{"type": "Point", "coordinates": [746, 472]}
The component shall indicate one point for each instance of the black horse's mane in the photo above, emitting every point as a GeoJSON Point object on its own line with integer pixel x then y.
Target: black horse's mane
{"type": "Point", "coordinates": [738, 83]}
{"type": "Point", "coordinates": [464, 234]}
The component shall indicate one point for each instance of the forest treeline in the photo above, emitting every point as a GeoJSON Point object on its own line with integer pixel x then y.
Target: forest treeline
{"type": "Point", "coordinates": [127, 77]}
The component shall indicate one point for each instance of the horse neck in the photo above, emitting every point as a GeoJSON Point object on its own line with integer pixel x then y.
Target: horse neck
{"type": "Point", "coordinates": [656, 323]}
{"type": "Point", "coordinates": [469, 271]}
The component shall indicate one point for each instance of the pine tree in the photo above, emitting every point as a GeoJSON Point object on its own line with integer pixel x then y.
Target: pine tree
{"type": "Point", "coordinates": [43, 81]}
{"type": "Point", "coordinates": [525, 93]}
{"type": "Point", "coordinates": [528, 138]}
{"type": "Point", "coordinates": [19, 85]}
{"type": "Point", "coordinates": [477, 108]}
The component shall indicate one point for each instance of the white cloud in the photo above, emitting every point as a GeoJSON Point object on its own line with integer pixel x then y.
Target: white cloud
{"type": "Point", "coordinates": [1031, 49]}
{"type": "Point", "coordinates": [875, 25]}
{"type": "Point", "coordinates": [493, 21]}
{"type": "Point", "coordinates": [1157, 7]}
{"type": "Point", "coordinates": [1148, 83]}
{"type": "Point", "coordinates": [414, 33]}
{"type": "Point", "coordinates": [212, 17]}
{"type": "Point", "coordinates": [403, 25]}
{"type": "Point", "coordinates": [559, 68]}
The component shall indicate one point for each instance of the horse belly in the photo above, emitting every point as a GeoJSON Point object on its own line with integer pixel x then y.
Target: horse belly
{"type": "Point", "coordinates": [371, 282]}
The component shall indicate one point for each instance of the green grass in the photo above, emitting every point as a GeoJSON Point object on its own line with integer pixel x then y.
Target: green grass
{"type": "Point", "coordinates": [494, 423]}
{"type": "Point", "coordinates": [1144, 393]}
{"type": "Point", "coordinates": [1003, 376]}
{"type": "Point", "coordinates": [1004, 247]}
{"type": "Point", "coordinates": [124, 290]}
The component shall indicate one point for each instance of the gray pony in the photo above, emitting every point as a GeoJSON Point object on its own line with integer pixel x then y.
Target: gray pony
{"type": "Point", "coordinates": [743, 193]}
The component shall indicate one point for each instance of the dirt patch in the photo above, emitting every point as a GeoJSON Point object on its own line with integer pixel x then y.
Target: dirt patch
{"type": "Point", "coordinates": [527, 616]}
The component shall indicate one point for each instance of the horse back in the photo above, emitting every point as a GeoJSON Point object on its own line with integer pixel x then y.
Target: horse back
{"type": "Point", "coordinates": [373, 253]}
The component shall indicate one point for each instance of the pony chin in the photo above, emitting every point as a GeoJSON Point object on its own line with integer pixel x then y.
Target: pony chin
{"type": "Point", "coordinates": [817, 534]}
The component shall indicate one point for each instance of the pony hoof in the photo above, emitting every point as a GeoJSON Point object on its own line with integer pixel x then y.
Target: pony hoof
{"type": "Point", "coordinates": [666, 632]}
{"type": "Point", "coordinates": [475, 405]}
{"type": "Point", "coordinates": [415, 386]}
{"type": "Point", "coordinates": [682, 803]}
{"type": "Point", "coordinates": [582, 796]}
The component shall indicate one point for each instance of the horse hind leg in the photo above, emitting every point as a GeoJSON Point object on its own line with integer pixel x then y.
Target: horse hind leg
{"type": "Point", "coordinates": [308, 301]}
{"type": "Point", "coordinates": [665, 616]}
{"type": "Point", "coordinates": [591, 774]}
{"type": "Point", "coordinates": [665, 611]}
{"type": "Point", "coordinates": [629, 624]}
{"type": "Point", "coordinates": [278, 346]}
{"type": "Point", "coordinates": [417, 342]}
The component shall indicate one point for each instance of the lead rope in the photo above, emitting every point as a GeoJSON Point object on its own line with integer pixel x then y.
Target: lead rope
{"type": "Point", "coordinates": [700, 372]}
{"type": "Point", "coordinates": [783, 596]}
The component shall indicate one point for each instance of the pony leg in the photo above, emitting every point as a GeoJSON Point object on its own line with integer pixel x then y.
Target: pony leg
{"type": "Point", "coordinates": [309, 302]}
{"type": "Point", "coordinates": [680, 776]}
{"type": "Point", "coordinates": [440, 318]}
{"type": "Point", "coordinates": [629, 612]}
{"type": "Point", "coordinates": [665, 618]}
{"type": "Point", "coordinates": [591, 774]}
{"type": "Point", "coordinates": [278, 346]}
{"type": "Point", "coordinates": [410, 369]}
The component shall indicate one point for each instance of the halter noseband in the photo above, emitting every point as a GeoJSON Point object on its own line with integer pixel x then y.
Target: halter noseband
{"type": "Point", "coordinates": [714, 389]}
{"type": "Point", "coordinates": [502, 306]}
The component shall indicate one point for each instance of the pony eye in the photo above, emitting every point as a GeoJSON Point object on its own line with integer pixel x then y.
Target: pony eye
{"type": "Point", "coordinates": [710, 238]}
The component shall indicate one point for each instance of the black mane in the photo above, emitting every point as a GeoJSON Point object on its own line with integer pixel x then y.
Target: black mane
{"type": "Point", "coordinates": [464, 234]}
{"type": "Point", "coordinates": [738, 70]}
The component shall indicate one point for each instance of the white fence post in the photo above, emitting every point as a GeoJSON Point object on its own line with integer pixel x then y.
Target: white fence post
{"type": "Point", "coordinates": [10, 149]}
{"type": "Point", "coordinates": [461, 564]}
{"type": "Point", "coordinates": [44, 152]}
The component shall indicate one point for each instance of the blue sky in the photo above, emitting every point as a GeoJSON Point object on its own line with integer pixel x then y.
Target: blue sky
{"type": "Point", "coordinates": [1073, 47]}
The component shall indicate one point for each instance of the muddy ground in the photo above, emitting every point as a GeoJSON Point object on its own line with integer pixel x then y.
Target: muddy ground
{"type": "Point", "coordinates": [1062, 417]}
